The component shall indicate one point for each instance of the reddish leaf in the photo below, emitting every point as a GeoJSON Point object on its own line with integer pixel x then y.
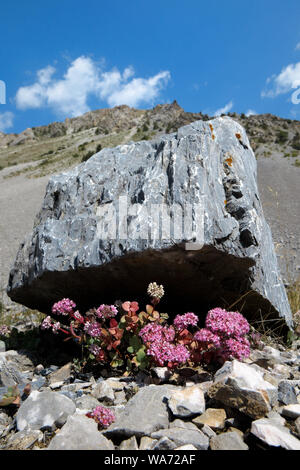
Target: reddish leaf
{"type": "Point", "coordinates": [113, 323]}
{"type": "Point", "coordinates": [27, 389]}
{"type": "Point", "coordinates": [149, 309]}
{"type": "Point", "coordinates": [126, 306]}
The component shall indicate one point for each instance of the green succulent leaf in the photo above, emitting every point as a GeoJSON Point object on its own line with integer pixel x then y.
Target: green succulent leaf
{"type": "Point", "coordinates": [10, 396]}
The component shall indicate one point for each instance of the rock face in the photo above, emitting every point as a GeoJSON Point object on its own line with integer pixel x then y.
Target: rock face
{"type": "Point", "coordinates": [98, 231]}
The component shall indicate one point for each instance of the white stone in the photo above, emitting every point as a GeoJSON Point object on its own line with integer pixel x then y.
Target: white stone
{"type": "Point", "coordinates": [274, 434]}
{"type": "Point", "coordinates": [186, 402]}
{"type": "Point", "coordinates": [241, 386]}
{"type": "Point", "coordinates": [291, 411]}
{"type": "Point", "coordinates": [186, 447]}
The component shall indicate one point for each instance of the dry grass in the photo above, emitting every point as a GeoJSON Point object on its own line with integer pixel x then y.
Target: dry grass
{"type": "Point", "coordinates": [293, 293]}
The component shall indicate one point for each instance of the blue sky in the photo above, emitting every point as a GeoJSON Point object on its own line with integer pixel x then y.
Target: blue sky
{"type": "Point", "coordinates": [61, 58]}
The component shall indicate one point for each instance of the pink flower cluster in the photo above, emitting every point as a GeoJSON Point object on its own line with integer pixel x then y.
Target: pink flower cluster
{"type": "Point", "coordinates": [228, 324]}
{"type": "Point", "coordinates": [224, 333]}
{"type": "Point", "coordinates": [239, 348]}
{"type": "Point", "coordinates": [63, 307]}
{"type": "Point", "coordinates": [154, 333]}
{"type": "Point", "coordinates": [166, 353]}
{"type": "Point", "coordinates": [94, 349]}
{"type": "Point", "coordinates": [48, 323]}
{"type": "Point", "coordinates": [93, 329]}
{"type": "Point", "coordinates": [106, 311]}
{"type": "Point", "coordinates": [4, 330]}
{"type": "Point", "coordinates": [103, 416]}
{"type": "Point", "coordinates": [206, 337]}
{"type": "Point", "coordinates": [158, 340]}
{"type": "Point", "coordinates": [183, 321]}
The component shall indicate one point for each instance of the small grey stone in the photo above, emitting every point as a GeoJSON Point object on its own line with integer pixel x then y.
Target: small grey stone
{"type": "Point", "coordinates": [208, 431]}
{"type": "Point", "coordinates": [9, 374]}
{"type": "Point", "coordinates": [241, 386]}
{"type": "Point", "coordinates": [23, 440]}
{"type": "Point", "coordinates": [186, 447]}
{"type": "Point", "coordinates": [186, 402]}
{"type": "Point", "coordinates": [162, 373]}
{"type": "Point", "coordinates": [37, 383]}
{"type": "Point", "coordinates": [164, 443]}
{"type": "Point", "coordinates": [120, 398]}
{"type": "Point", "coordinates": [287, 393]}
{"type": "Point", "coordinates": [2, 346]}
{"type": "Point", "coordinates": [39, 368]}
{"type": "Point", "coordinates": [178, 423]}
{"type": "Point", "coordinates": [129, 444]}
{"type": "Point", "coordinates": [43, 409]}
{"type": "Point", "coordinates": [86, 402]}
{"type": "Point", "coordinates": [147, 443]}
{"type": "Point", "coordinates": [189, 436]}
{"type": "Point", "coordinates": [61, 375]}
{"type": "Point", "coordinates": [115, 384]}
{"type": "Point", "coordinates": [228, 441]}
{"type": "Point", "coordinates": [61, 420]}
{"type": "Point", "coordinates": [5, 419]}
{"type": "Point", "coordinates": [80, 433]}
{"type": "Point", "coordinates": [291, 411]}
{"type": "Point", "coordinates": [56, 385]}
{"type": "Point", "coordinates": [67, 394]}
{"type": "Point", "coordinates": [103, 392]}
{"type": "Point", "coordinates": [75, 387]}
{"type": "Point", "coordinates": [273, 415]}
{"type": "Point", "coordinates": [213, 417]}
{"type": "Point", "coordinates": [143, 414]}
{"type": "Point", "coordinates": [297, 424]}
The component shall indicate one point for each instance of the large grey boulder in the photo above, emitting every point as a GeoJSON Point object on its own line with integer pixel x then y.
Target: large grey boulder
{"type": "Point", "coordinates": [97, 237]}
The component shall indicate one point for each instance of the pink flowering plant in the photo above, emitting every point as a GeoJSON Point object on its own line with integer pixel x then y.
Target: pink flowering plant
{"type": "Point", "coordinates": [104, 417]}
{"type": "Point", "coordinates": [126, 337]}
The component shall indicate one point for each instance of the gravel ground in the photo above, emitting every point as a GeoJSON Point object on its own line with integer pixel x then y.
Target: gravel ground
{"type": "Point", "coordinates": [20, 200]}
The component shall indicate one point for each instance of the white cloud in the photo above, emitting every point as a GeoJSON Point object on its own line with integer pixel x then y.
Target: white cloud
{"type": "Point", "coordinates": [138, 90]}
{"type": "Point", "coordinates": [297, 48]}
{"type": "Point", "coordinates": [288, 79]}
{"type": "Point", "coordinates": [250, 112]}
{"type": "Point", "coordinates": [6, 120]}
{"type": "Point", "coordinates": [224, 110]}
{"type": "Point", "coordinates": [69, 95]}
